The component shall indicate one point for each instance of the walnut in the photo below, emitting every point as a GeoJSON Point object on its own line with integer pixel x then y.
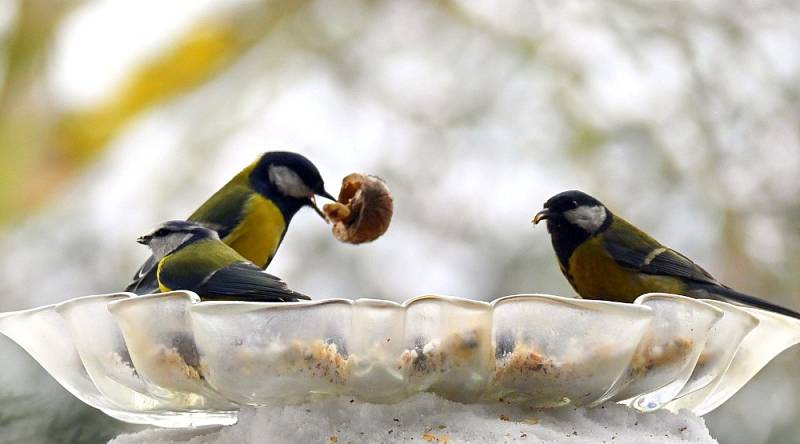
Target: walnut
{"type": "Point", "coordinates": [364, 210]}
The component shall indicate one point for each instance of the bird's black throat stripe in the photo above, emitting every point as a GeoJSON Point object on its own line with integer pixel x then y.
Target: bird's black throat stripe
{"type": "Point", "coordinates": [567, 237]}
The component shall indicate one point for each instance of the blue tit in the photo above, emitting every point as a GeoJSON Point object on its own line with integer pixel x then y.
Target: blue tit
{"type": "Point", "coordinates": [192, 257]}
{"type": "Point", "coordinates": [605, 257]}
{"type": "Point", "coordinates": [252, 212]}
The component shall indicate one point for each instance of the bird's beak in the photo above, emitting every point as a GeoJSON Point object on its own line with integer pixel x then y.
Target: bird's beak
{"type": "Point", "coordinates": [326, 195]}
{"type": "Point", "coordinates": [313, 202]}
{"type": "Point", "coordinates": [540, 216]}
{"type": "Point", "coordinates": [144, 240]}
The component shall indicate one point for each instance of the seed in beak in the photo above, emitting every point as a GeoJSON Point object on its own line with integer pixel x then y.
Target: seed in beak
{"type": "Point", "coordinates": [540, 216]}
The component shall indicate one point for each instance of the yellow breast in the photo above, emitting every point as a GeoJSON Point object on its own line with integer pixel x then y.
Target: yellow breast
{"type": "Point", "coordinates": [596, 275]}
{"type": "Point", "coordinates": [259, 234]}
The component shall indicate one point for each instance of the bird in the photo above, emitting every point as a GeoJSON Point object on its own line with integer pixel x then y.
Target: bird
{"type": "Point", "coordinates": [251, 213]}
{"type": "Point", "coordinates": [603, 256]}
{"type": "Point", "coordinates": [192, 257]}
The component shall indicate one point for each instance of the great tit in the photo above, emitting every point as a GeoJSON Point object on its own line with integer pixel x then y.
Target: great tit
{"type": "Point", "coordinates": [192, 257]}
{"type": "Point", "coordinates": [251, 213]}
{"type": "Point", "coordinates": [605, 257]}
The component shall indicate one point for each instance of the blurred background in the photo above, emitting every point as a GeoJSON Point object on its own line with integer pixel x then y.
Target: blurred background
{"type": "Point", "coordinates": [684, 117]}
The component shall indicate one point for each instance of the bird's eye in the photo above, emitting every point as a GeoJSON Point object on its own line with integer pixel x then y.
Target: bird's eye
{"type": "Point", "coordinates": [160, 232]}
{"type": "Point", "coordinates": [574, 204]}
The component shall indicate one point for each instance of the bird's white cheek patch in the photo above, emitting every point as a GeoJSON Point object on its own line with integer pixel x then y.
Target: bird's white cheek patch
{"type": "Point", "coordinates": [162, 247]}
{"type": "Point", "coordinates": [288, 182]}
{"type": "Point", "coordinates": [588, 218]}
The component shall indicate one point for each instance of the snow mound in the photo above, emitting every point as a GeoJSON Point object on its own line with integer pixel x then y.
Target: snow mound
{"type": "Point", "coordinates": [426, 418]}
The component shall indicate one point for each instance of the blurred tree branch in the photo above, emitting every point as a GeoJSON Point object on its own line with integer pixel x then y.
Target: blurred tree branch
{"type": "Point", "coordinates": [41, 146]}
{"type": "Point", "coordinates": [23, 109]}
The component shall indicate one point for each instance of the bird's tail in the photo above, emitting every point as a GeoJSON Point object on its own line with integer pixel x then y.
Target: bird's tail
{"type": "Point", "coordinates": [297, 297]}
{"type": "Point", "coordinates": [729, 295]}
{"type": "Point", "coordinates": [292, 296]}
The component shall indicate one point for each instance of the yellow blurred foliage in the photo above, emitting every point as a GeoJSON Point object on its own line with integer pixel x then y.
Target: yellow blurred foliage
{"type": "Point", "coordinates": [42, 146]}
{"type": "Point", "coordinates": [204, 51]}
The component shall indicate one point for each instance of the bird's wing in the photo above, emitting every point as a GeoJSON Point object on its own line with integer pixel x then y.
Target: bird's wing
{"type": "Point", "coordinates": [144, 281]}
{"type": "Point", "coordinates": [246, 281]}
{"type": "Point", "coordinates": [631, 247]}
{"type": "Point", "coordinates": [223, 211]}
{"type": "Point", "coordinates": [214, 270]}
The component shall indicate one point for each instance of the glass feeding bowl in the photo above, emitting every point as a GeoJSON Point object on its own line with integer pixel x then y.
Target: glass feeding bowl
{"type": "Point", "coordinates": [171, 360]}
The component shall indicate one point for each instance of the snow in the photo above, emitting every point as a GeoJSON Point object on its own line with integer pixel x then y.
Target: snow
{"type": "Point", "coordinates": [428, 418]}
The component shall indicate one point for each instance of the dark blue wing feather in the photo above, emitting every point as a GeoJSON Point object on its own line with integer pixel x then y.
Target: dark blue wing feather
{"type": "Point", "coordinates": [145, 280]}
{"type": "Point", "coordinates": [245, 281]}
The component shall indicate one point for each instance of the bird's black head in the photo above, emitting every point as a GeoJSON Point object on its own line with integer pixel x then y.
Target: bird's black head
{"type": "Point", "coordinates": [576, 209]}
{"type": "Point", "coordinates": [174, 234]}
{"type": "Point", "coordinates": [290, 180]}
{"type": "Point", "coordinates": [572, 217]}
